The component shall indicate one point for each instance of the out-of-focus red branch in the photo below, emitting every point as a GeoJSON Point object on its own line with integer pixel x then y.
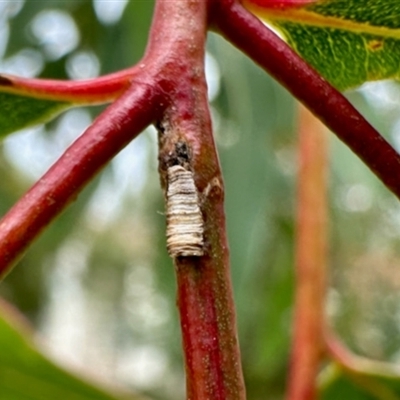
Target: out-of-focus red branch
{"type": "Point", "coordinates": [311, 259]}
{"type": "Point", "coordinates": [352, 362]}
{"type": "Point", "coordinates": [251, 36]}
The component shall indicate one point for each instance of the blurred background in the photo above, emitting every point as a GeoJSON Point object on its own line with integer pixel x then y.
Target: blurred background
{"type": "Point", "coordinates": [98, 286]}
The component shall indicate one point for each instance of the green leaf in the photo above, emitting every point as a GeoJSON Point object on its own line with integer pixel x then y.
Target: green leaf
{"type": "Point", "coordinates": [348, 41]}
{"type": "Point", "coordinates": [25, 374]}
{"type": "Point", "coordinates": [337, 382]}
{"type": "Point", "coordinates": [19, 112]}
{"type": "Point", "coordinates": [336, 385]}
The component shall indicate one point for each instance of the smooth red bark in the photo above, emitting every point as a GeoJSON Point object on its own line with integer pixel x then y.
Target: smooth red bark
{"type": "Point", "coordinates": [205, 300]}
{"type": "Point", "coordinates": [265, 4]}
{"type": "Point", "coordinates": [172, 92]}
{"type": "Point", "coordinates": [169, 88]}
{"type": "Point", "coordinates": [92, 91]}
{"type": "Point", "coordinates": [263, 46]}
{"type": "Point", "coordinates": [111, 131]}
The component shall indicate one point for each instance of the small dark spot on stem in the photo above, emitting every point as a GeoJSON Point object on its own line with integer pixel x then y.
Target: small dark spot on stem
{"type": "Point", "coordinates": [4, 81]}
{"type": "Point", "coordinates": [179, 156]}
{"type": "Point", "coordinates": [182, 153]}
{"type": "Point", "coordinates": [160, 127]}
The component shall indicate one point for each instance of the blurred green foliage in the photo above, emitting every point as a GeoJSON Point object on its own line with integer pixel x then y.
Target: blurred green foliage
{"type": "Point", "coordinates": [99, 286]}
{"type": "Point", "coordinates": [27, 375]}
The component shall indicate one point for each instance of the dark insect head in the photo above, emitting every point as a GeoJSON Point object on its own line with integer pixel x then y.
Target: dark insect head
{"type": "Point", "coordinates": [182, 153]}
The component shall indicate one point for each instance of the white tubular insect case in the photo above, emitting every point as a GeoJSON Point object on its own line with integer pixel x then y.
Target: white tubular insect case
{"type": "Point", "coordinates": [185, 225]}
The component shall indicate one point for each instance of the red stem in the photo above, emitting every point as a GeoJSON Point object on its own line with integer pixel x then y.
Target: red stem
{"type": "Point", "coordinates": [205, 300]}
{"type": "Point", "coordinates": [283, 4]}
{"type": "Point", "coordinates": [97, 90]}
{"type": "Point", "coordinates": [252, 37]}
{"type": "Point", "coordinates": [311, 259]}
{"type": "Point", "coordinates": [355, 363]}
{"type": "Point", "coordinates": [173, 65]}
{"type": "Point", "coordinates": [111, 131]}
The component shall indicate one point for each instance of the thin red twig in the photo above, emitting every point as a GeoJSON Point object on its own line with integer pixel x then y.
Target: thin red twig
{"type": "Point", "coordinates": [205, 299]}
{"type": "Point", "coordinates": [311, 259]}
{"type": "Point", "coordinates": [111, 131]}
{"type": "Point", "coordinates": [356, 363]}
{"type": "Point", "coordinates": [264, 47]}
{"type": "Point", "coordinates": [172, 91]}
{"type": "Point", "coordinates": [92, 91]}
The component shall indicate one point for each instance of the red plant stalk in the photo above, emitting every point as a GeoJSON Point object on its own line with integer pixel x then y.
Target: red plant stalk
{"type": "Point", "coordinates": [264, 47]}
{"type": "Point", "coordinates": [311, 245]}
{"type": "Point", "coordinates": [92, 91]}
{"type": "Point", "coordinates": [172, 79]}
{"type": "Point", "coordinates": [283, 4]}
{"type": "Point", "coordinates": [205, 300]}
{"type": "Point", "coordinates": [356, 365]}
{"type": "Point", "coordinates": [111, 131]}
{"type": "Point", "coordinates": [171, 90]}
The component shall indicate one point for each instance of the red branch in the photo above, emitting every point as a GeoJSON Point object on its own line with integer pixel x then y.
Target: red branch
{"type": "Point", "coordinates": [311, 259]}
{"type": "Point", "coordinates": [171, 91]}
{"type": "Point", "coordinates": [263, 46]}
{"type": "Point", "coordinates": [170, 88]}
{"type": "Point", "coordinates": [111, 131]}
{"type": "Point", "coordinates": [356, 364]}
{"type": "Point", "coordinates": [205, 300]}
{"type": "Point", "coordinates": [283, 4]}
{"type": "Point", "coordinates": [91, 91]}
